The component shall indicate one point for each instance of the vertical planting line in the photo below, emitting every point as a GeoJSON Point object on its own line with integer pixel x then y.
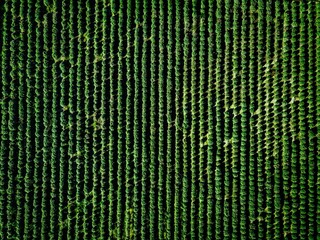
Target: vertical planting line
{"type": "Point", "coordinates": [260, 123]}
{"type": "Point", "coordinates": [128, 218]}
{"type": "Point", "coordinates": [285, 118]}
{"type": "Point", "coordinates": [47, 128]}
{"type": "Point", "coordinates": [202, 129]}
{"type": "Point", "coordinates": [4, 115]}
{"type": "Point", "coordinates": [244, 93]}
{"type": "Point", "coordinates": [104, 123]}
{"type": "Point", "coordinates": [137, 116]}
{"type": "Point", "coordinates": [128, 223]}
{"type": "Point", "coordinates": [186, 125]}
{"type": "Point", "coordinates": [55, 126]}
{"type": "Point", "coordinates": [211, 114]}
{"type": "Point", "coordinates": [96, 122]}
{"type": "Point", "coordinates": [12, 105]}
{"type": "Point", "coordinates": [235, 121]}
{"type": "Point", "coordinates": [252, 122]}
{"type": "Point", "coordinates": [22, 124]}
{"type": "Point", "coordinates": [219, 126]}
{"type": "Point", "coordinates": [311, 122]}
{"type": "Point", "coordinates": [129, 124]}
{"type": "Point", "coordinates": [178, 119]}
{"type": "Point", "coordinates": [30, 120]}
{"type": "Point", "coordinates": [227, 118]}
{"type": "Point", "coordinates": [120, 114]}
{"type": "Point", "coordinates": [268, 105]}
{"type": "Point", "coordinates": [194, 121]}
{"type": "Point", "coordinates": [63, 120]}
{"type": "Point", "coordinates": [276, 146]}
{"type": "Point", "coordinates": [88, 121]}
{"type": "Point", "coordinates": [294, 122]}
{"type": "Point", "coordinates": [318, 110]}
{"type": "Point", "coordinates": [79, 118]}
{"type": "Point", "coordinates": [170, 122]}
{"type": "Point", "coordinates": [153, 123]}
{"type": "Point", "coordinates": [71, 198]}
{"type": "Point", "coordinates": [38, 124]}
{"type": "Point", "coordinates": [162, 125]}
{"type": "Point", "coordinates": [112, 123]}
{"type": "Point", "coordinates": [302, 115]}
{"type": "Point", "coordinates": [144, 144]}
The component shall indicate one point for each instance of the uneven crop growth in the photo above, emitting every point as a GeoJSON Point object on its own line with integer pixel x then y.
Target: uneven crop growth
{"type": "Point", "coordinates": [159, 119]}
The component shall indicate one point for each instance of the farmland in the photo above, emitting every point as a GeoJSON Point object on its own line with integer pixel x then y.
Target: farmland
{"type": "Point", "coordinates": [154, 119]}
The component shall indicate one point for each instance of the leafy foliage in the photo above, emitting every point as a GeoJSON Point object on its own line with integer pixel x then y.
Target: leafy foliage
{"type": "Point", "coordinates": [147, 119]}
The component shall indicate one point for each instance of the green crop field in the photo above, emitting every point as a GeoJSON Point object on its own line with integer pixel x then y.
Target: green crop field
{"type": "Point", "coordinates": [159, 119]}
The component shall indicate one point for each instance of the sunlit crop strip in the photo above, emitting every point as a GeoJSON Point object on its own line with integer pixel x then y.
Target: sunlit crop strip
{"type": "Point", "coordinates": [104, 124]}
{"type": "Point", "coordinates": [12, 109]}
{"type": "Point", "coordinates": [47, 100]}
{"type": "Point", "coordinates": [194, 121]}
{"type": "Point", "coordinates": [63, 108]}
{"type": "Point", "coordinates": [244, 100]}
{"type": "Point", "coordinates": [88, 138]}
{"type": "Point", "coordinates": [294, 120]}
{"type": "Point", "coordinates": [153, 119]}
{"type": "Point", "coordinates": [169, 216]}
{"type": "Point", "coordinates": [202, 119]}
{"type": "Point", "coordinates": [71, 189]}
{"type": "Point", "coordinates": [211, 125]}
{"type": "Point", "coordinates": [218, 173]}
{"type": "Point", "coordinates": [79, 125]}
{"type": "Point", "coordinates": [4, 112]}
{"type": "Point", "coordinates": [252, 198]}
{"type": "Point", "coordinates": [147, 119]}
{"type": "Point", "coordinates": [54, 128]}
{"type": "Point", "coordinates": [261, 193]}
{"type": "Point", "coordinates": [128, 218]}
{"type": "Point", "coordinates": [178, 118]}
{"type": "Point", "coordinates": [120, 118]}
{"type": "Point", "coordinates": [22, 125]}
{"type": "Point", "coordinates": [96, 122]}
{"type": "Point", "coordinates": [285, 151]}
{"type": "Point", "coordinates": [312, 139]}
{"type": "Point", "coordinates": [318, 108]}
{"type": "Point", "coordinates": [145, 163]}
{"type": "Point", "coordinates": [137, 120]}
{"type": "Point", "coordinates": [162, 124]}
{"type": "Point", "coordinates": [277, 225]}
{"type": "Point", "coordinates": [38, 107]}
{"type": "Point", "coordinates": [268, 117]}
